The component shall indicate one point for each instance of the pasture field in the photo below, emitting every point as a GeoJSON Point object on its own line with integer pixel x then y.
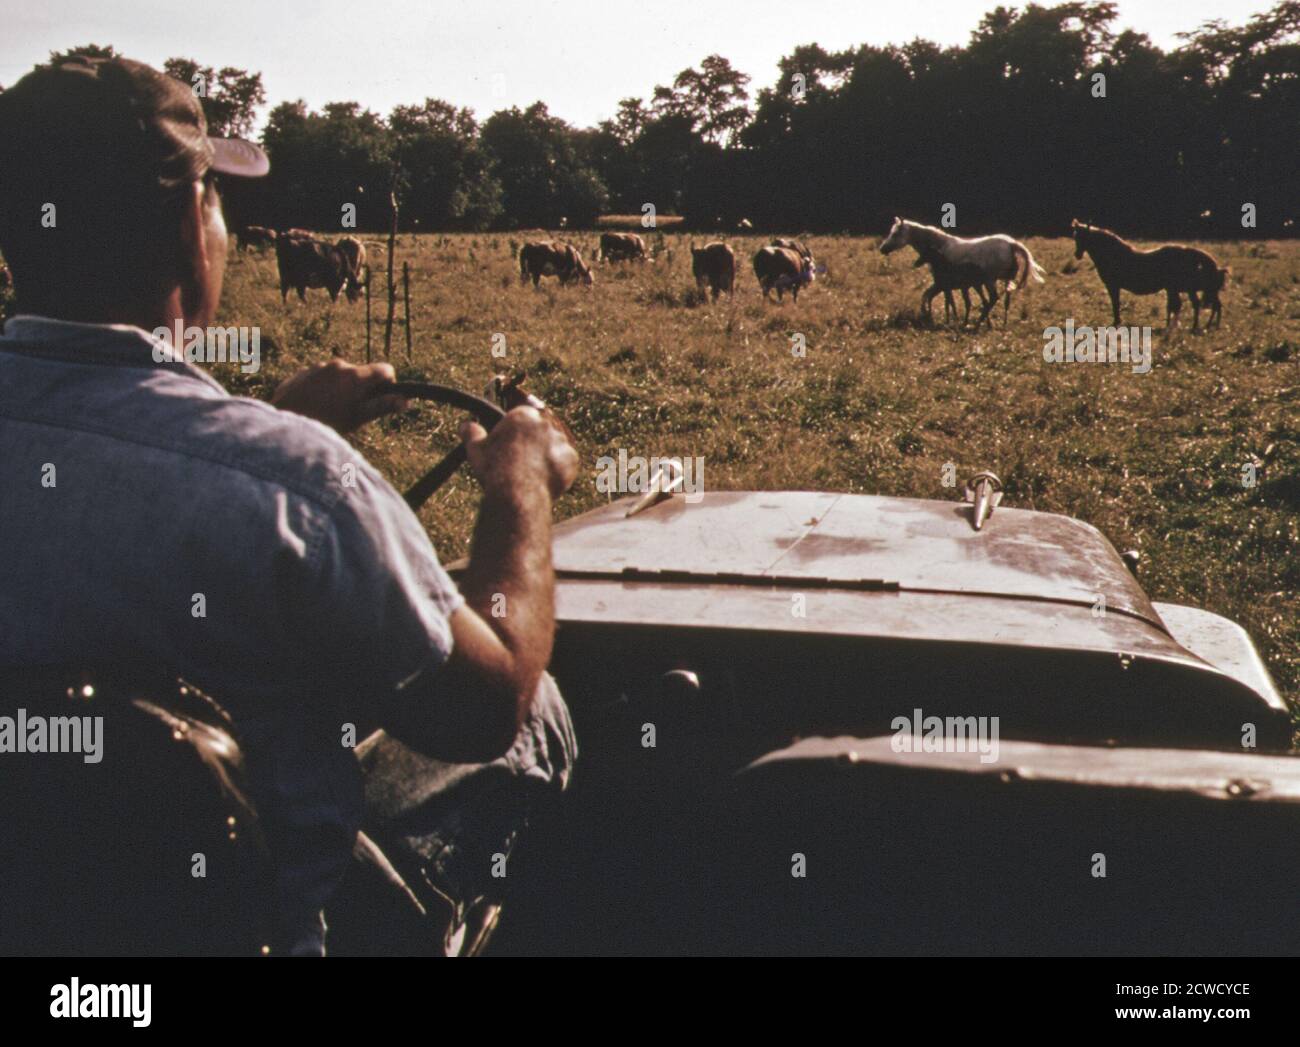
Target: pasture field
{"type": "Point", "coordinates": [877, 404]}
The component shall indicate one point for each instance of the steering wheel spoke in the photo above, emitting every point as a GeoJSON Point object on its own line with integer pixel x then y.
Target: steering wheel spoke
{"type": "Point", "coordinates": [486, 413]}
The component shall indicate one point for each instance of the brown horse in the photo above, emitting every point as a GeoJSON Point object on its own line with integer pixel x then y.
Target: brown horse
{"type": "Point", "coordinates": [1173, 269]}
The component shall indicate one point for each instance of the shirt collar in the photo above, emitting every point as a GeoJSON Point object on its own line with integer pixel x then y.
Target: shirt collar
{"type": "Point", "coordinates": [94, 344]}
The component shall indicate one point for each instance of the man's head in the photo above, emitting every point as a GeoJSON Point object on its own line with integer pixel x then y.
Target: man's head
{"type": "Point", "coordinates": [108, 205]}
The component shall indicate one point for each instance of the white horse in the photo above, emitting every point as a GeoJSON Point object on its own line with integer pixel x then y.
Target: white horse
{"type": "Point", "coordinates": [994, 257]}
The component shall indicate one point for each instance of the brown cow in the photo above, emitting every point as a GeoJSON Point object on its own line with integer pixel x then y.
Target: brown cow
{"type": "Point", "coordinates": [255, 236]}
{"type": "Point", "coordinates": [782, 267]}
{"type": "Point", "coordinates": [539, 258]}
{"type": "Point", "coordinates": [714, 265]}
{"type": "Point", "coordinates": [355, 252]}
{"type": "Point", "coordinates": [621, 247]}
{"type": "Point", "coordinates": [307, 262]}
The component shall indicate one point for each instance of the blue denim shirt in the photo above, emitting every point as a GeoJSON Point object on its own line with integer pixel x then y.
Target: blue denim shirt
{"type": "Point", "coordinates": [147, 512]}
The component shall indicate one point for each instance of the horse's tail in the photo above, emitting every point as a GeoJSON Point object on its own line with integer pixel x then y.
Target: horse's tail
{"type": "Point", "coordinates": [1031, 268]}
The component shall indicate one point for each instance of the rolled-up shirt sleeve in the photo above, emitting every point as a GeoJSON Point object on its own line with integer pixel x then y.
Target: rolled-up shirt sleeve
{"type": "Point", "coordinates": [382, 601]}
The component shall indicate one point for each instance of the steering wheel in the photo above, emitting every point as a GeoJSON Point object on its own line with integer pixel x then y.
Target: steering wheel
{"type": "Point", "coordinates": [486, 413]}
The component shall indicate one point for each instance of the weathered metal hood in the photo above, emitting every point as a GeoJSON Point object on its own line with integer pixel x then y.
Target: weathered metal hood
{"type": "Point", "coordinates": [838, 541]}
{"type": "Point", "coordinates": [1040, 596]}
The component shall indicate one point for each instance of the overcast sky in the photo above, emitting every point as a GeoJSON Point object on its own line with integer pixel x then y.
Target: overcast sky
{"type": "Point", "coordinates": [578, 56]}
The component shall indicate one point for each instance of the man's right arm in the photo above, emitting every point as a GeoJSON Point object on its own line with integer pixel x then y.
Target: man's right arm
{"type": "Point", "coordinates": [471, 709]}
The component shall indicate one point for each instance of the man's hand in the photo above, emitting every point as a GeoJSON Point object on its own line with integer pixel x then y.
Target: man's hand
{"type": "Point", "coordinates": [523, 449]}
{"type": "Point", "coordinates": [340, 394]}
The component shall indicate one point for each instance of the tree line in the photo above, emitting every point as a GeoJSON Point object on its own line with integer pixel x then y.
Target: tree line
{"type": "Point", "coordinates": [1047, 113]}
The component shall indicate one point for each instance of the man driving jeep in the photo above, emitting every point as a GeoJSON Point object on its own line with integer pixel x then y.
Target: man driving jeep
{"type": "Point", "coordinates": [248, 546]}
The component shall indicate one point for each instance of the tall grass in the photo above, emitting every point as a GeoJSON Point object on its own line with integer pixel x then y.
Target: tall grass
{"type": "Point", "coordinates": [879, 403]}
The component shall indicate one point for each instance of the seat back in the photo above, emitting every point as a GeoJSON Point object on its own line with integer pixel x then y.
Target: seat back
{"type": "Point", "coordinates": [144, 842]}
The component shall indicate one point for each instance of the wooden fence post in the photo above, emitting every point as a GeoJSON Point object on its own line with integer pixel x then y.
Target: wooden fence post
{"type": "Point", "coordinates": [392, 288]}
{"type": "Point", "coordinates": [406, 299]}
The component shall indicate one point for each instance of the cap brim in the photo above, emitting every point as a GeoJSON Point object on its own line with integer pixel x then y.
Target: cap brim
{"type": "Point", "coordinates": [234, 156]}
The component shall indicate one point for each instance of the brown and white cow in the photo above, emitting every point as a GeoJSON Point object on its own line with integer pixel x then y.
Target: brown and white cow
{"type": "Point", "coordinates": [355, 253]}
{"type": "Point", "coordinates": [782, 268]}
{"type": "Point", "coordinates": [255, 236]}
{"type": "Point", "coordinates": [307, 262]}
{"type": "Point", "coordinates": [539, 258]}
{"type": "Point", "coordinates": [714, 266]}
{"type": "Point", "coordinates": [621, 247]}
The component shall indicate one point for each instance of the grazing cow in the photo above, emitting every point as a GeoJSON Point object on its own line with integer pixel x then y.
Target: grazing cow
{"type": "Point", "coordinates": [781, 268]}
{"type": "Point", "coordinates": [255, 236]}
{"type": "Point", "coordinates": [1172, 269]}
{"type": "Point", "coordinates": [539, 258]}
{"type": "Point", "coordinates": [714, 265]}
{"type": "Point", "coordinates": [996, 257]}
{"type": "Point", "coordinates": [355, 253]}
{"type": "Point", "coordinates": [307, 262]}
{"type": "Point", "coordinates": [621, 247]}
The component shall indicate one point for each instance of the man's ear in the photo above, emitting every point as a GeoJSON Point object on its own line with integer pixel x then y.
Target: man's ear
{"type": "Point", "coordinates": [194, 259]}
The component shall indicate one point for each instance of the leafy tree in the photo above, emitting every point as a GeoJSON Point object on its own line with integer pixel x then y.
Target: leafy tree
{"type": "Point", "coordinates": [630, 121]}
{"type": "Point", "coordinates": [1046, 113]}
{"type": "Point", "coordinates": [86, 51]}
{"type": "Point", "coordinates": [321, 162]}
{"type": "Point", "coordinates": [448, 179]}
{"type": "Point", "coordinates": [713, 98]}
{"type": "Point", "coordinates": [230, 98]}
{"type": "Point", "coordinates": [544, 176]}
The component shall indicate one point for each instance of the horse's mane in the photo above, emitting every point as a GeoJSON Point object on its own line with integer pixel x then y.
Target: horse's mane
{"type": "Point", "coordinates": [933, 235]}
{"type": "Point", "coordinates": [1106, 234]}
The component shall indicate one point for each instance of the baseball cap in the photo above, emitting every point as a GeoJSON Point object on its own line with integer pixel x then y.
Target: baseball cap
{"type": "Point", "coordinates": [112, 122]}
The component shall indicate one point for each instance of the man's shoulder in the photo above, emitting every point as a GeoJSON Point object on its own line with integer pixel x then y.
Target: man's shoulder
{"type": "Point", "coordinates": [279, 447]}
{"type": "Point", "coordinates": [229, 437]}
{"type": "Point", "coordinates": [171, 418]}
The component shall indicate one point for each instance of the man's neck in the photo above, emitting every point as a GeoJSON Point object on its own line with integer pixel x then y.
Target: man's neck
{"type": "Point", "coordinates": [147, 320]}
{"type": "Point", "coordinates": [146, 315]}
